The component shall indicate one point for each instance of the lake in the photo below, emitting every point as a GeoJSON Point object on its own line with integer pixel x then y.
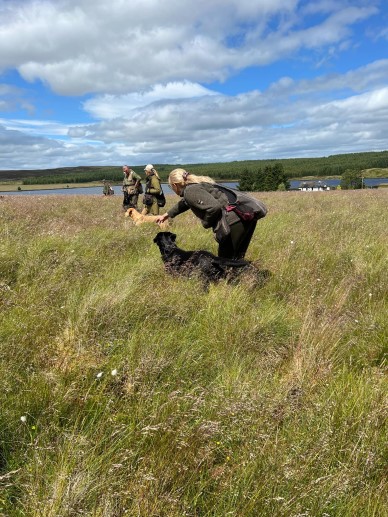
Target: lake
{"type": "Point", "coordinates": [369, 182]}
{"type": "Point", "coordinates": [87, 190]}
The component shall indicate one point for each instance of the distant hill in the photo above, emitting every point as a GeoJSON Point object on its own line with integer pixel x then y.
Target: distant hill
{"type": "Point", "coordinates": [18, 175]}
{"type": "Point", "coordinates": [371, 162]}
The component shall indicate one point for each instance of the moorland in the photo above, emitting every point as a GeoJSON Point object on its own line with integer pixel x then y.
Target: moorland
{"type": "Point", "coordinates": [126, 391]}
{"type": "Point", "coordinates": [372, 165]}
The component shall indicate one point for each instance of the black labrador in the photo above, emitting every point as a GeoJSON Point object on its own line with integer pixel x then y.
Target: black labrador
{"type": "Point", "coordinates": [197, 263]}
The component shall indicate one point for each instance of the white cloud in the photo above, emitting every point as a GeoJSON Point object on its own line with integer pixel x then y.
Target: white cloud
{"type": "Point", "coordinates": [142, 66]}
{"type": "Point", "coordinates": [370, 106]}
{"type": "Point", "coordinates": [36, 127]}
{"type": "Point", "coordinates": [77, 132]}
{"type": "Point", "coordinates": [112, 106]}
{"type": "Point", "coordinates": [117, 47]}
{"type": "Point", "coordinates": [373, 75]}
{"type": "Point", "coordinates": [290, 118]}
{"type": "Point", "coordinates": [285, 104]}
{"type": "Point", "coordinates": [25, 151]}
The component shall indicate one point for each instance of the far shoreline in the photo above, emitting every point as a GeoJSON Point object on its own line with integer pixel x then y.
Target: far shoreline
{"type": "Point", "coordinates": [18, 186]}
{"type": "Point", "coordinates": [48, 186]}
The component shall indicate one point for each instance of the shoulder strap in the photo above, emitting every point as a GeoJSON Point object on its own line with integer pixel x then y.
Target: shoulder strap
{"type": "Point", "coordinates": [230, 193]}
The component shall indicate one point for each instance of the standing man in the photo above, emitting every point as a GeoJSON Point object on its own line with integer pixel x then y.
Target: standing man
{"type": "Point", "coordinates": [131, 187]}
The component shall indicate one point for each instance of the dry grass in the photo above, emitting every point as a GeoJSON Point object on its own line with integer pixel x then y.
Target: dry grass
{"type": "Point", "coordinates": [145, 395]}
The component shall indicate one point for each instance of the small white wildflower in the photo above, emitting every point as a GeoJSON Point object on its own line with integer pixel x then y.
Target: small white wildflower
{"type": "Point", "coordinates": [72, 251]}
{"type": "Point", "coordinates": [318, 279]}
{"type": "Point", "coordinates": [99, 375]}
{"type": "Point", "coordinates": [62, 306]}
{"type": "Point", "coordinates": [355, 321]}
{"type": "Point", "coordinates": [291, 242]}
{"type": "Point", "coordinates": [23, 418]}
{"type": "Point", "coordinates": [370, 295]}
{"type": "Point", "coordinates": [114, 372]}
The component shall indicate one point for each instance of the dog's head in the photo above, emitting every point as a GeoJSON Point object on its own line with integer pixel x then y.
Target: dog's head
{"type": "Point", "coordinates": [164, 238]}
{"type": "Point", "coordinates": [129, 212]}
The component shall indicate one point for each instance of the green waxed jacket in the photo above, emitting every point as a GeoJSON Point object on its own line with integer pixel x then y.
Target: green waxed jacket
{"type": "Point", "coordinates": [206, 202]}
{"type": "Point", "coordinates": [130, 182]}
{"type": "Point", "coordinates": [153, 188]}
{"type": "Point", "coordinates": [152, 184]}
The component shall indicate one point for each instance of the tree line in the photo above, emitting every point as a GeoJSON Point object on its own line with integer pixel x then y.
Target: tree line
{"type": "Point", "coordinates": [334, 165]}
{"type": "Point", "coordinates": [271, 177]}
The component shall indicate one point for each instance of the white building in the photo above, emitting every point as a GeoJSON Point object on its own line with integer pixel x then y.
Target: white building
{"type": "Point", "coordinates": [313, 185]}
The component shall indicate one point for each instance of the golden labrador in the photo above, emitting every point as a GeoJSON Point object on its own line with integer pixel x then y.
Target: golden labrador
{"type": "Point", "coordinates": [140, 218]}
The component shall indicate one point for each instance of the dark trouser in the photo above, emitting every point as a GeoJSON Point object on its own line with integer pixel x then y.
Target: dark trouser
{"type": "Point", "coordinates": [152, 209]}
{"type": "Point", "coordinates": [236, 243]}
{"type": "Point", "coordinates": [130, 200]}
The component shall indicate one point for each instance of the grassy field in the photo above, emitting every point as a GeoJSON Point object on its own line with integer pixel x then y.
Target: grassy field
{"type": "Point", "coordinates": [125, 391]}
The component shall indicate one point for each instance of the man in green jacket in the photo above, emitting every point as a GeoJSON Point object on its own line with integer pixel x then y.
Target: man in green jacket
{"type": "Point", "coordinates": [131, 187]}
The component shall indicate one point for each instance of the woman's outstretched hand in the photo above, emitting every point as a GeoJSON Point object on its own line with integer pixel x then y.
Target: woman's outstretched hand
{"type": "Point", "coordinates": [162, 218]}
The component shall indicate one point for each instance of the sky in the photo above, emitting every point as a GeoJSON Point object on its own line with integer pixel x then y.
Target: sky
{"type": "Point", "coordinates": [97, 82]}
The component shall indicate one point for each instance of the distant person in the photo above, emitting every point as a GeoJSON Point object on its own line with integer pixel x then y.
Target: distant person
{"type": "Point", "coordinates": [106, 187]}
{"type": "Point", "coordinates": [107, 190]}
{"type": "Point", "coordinates": [131, 188]}
{"type": "Point", "coordinates": [232, 215]}
{"type": "Point", "coordinates": [152, 189]}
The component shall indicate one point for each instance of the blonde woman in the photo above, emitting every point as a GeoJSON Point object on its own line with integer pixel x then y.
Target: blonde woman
{"type": "Point", "coordinates": [152, 188]}
{"type": "Point", "coordinates": [212, 205]}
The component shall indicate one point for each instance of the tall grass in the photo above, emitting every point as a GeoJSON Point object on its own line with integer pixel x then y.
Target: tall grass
{"type": "Point", "coordinates": [126, 391]}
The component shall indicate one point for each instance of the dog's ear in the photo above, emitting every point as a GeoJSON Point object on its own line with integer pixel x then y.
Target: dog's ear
{"type": "Point", "coordinates": [173, 236]}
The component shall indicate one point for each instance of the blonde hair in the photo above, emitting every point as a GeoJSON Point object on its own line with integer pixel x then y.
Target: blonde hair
{"type": "Point", "coordinates": [183, 178]}
{"type": "Point", "coordinates": [155, 172]}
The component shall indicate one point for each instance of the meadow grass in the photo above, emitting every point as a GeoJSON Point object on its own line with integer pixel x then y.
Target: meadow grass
{"type": "Point", "coordinates": [125, 391]}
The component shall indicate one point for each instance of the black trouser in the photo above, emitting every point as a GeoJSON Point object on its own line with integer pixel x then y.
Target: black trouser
{"type": "Point", "coordinates": [130, 200]}
{"type": "Point", "coordinates": [236, 243]}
